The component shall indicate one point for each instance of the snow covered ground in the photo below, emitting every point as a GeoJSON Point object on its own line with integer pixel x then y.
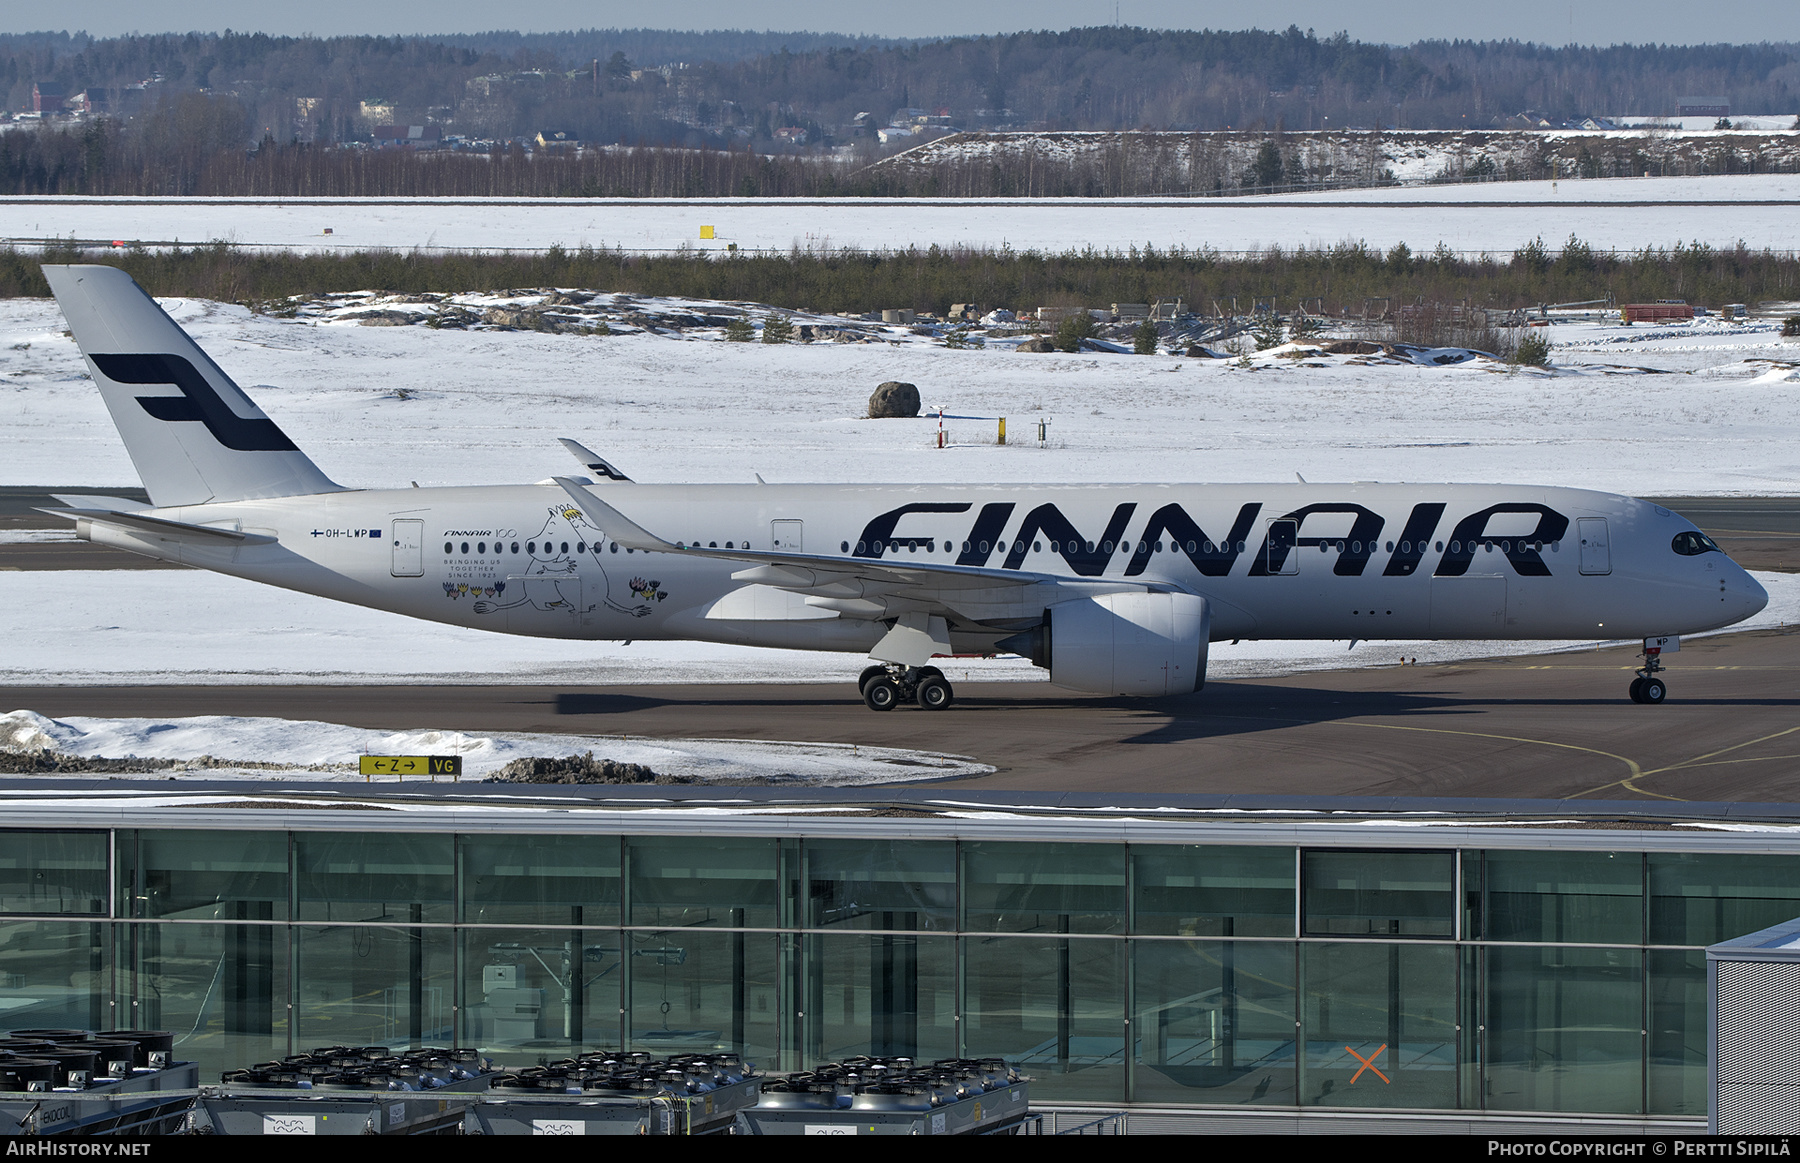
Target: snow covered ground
{"type": "Point", "coordinates": [288, 750]}
{"type": "Point", "coordinates": [1669, 211]}
{"type": "Point", "coordinates": [381, 406]}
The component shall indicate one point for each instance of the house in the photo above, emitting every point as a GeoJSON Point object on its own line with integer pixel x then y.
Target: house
{"type": "Point", "coordinates": [1529, 119]}
{"type": "Point", "coordinates": [48, 98]}
{"type": "Point", "coordinates": [791, 135]}
{"type": "Point", "coordinates": [555, 139]}
{"type": "Point", "coordinates": [90, 101]}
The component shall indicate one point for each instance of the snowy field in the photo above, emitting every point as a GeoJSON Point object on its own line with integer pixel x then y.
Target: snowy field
{"type": "Point", "coordinates": [382, 406]}
{"type": "Point", "coordinates": [297, 751]}
{"type": "Point", "coordinates": [1487, 218]}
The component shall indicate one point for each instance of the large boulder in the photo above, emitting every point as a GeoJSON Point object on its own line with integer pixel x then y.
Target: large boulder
{"type": "Point", "coordinates": [509, 317]}
{"type": "Point", "coordinates": [1038, 344]}
{"type": "Point", "coordinates": [387, 318]}
{"type": "Point", "coordinates": [894, 399]}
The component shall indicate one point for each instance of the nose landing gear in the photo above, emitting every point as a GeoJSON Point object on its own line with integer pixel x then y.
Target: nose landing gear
{"type": "Point", "coordinates": [1646, 688]}
{"type": "Point", "coordinates": [886, 687]}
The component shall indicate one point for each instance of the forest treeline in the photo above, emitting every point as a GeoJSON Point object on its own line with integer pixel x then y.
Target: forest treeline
{"type": "Point", "coordinates": [1340, 279]}
{"type": "Point", "coordinates": [188, 148]}
{"type": "Point", "coordinates": [698, 89]}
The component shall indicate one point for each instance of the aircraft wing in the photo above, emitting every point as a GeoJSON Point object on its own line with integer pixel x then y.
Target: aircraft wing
{"type": "Point", "coordinates": [868, 587]}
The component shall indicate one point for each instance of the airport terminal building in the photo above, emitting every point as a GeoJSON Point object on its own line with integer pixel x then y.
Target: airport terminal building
{"type": "Point", "coordinates": [1207, 965]}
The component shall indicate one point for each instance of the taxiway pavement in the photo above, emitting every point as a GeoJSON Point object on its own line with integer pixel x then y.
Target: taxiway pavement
{"type": "Point", "coordinates": [1542, 726]}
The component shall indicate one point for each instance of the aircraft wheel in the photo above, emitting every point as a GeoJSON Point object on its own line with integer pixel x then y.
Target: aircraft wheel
{"type": "Point", "coordinates": [1637, 690]}
{"type": "Point", "coordinates": [1653, 692]}
{"type": "Point", "coordinates": [934, 693]}
{"type": "Point", "coordinates": [881, 693]}
{"type": "Point", "coordinates": [862, 680]}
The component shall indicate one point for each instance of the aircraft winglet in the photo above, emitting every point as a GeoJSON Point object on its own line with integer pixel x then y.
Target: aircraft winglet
{"type": "Point", "coordinates": [611, 522]}
{"type": "Point", "coordinates": [591, 460]}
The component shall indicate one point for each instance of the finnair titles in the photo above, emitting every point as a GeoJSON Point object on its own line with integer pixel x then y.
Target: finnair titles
{"type": "Point", "coordinates": [1115, 589]}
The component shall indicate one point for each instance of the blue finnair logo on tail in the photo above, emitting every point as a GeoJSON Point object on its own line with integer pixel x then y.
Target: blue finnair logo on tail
{"type": "Point", "coordinates": [198, 401]}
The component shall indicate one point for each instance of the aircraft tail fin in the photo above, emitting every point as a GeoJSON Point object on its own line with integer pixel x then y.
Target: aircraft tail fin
{"type": "Point", "coordinates": [193, 434]}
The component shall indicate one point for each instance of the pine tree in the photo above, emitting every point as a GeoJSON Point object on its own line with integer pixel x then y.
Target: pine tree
{"type": "Point", "coordinates": [1071, 331]}
{"type": "Point", "coordinates": [1143, 340]}
{"type": "Point", "coordinates": [740, 330]}
{"type": "Point", "coordinates": [777, 329]}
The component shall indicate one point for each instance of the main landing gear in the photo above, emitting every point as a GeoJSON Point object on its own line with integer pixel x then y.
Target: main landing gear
{"type": "Point", "coordinates": [886, 687]}
{"type": "Point", "coordinates": [1646, 687]}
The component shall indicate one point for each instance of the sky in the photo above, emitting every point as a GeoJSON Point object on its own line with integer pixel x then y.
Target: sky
{"type": "Point", "coordinates": [1389, 21]}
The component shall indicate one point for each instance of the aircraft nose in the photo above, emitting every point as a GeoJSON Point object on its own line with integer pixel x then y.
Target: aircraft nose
{"type": "Point", "coordinates": [1746, 595]}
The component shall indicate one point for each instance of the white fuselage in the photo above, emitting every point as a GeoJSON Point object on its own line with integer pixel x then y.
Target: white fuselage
{"type": "Point", "coordinates": [1275, 561]}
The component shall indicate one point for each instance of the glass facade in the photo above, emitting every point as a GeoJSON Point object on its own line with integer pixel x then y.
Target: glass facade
{"type": "Point", "coordinates": [1269, 976]}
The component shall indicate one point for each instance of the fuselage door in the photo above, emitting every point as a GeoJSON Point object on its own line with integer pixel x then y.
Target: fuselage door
{"type": "Point", "coordinates": [1282, 546]}
{"type": "Point", "coordinates": [786, 536]}
{"type": "Point", "coordinates": [1596, 551]}
{"type": "Point", "coordinates": [409, 548]}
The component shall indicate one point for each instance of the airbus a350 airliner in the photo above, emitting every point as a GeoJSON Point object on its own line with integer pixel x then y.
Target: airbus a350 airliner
{"type": "Point", "coordinates": [1115, 589]}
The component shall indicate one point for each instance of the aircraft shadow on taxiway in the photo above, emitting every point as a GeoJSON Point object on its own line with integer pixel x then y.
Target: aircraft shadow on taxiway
{"type": "Point", "coordinates": [1222, 709]}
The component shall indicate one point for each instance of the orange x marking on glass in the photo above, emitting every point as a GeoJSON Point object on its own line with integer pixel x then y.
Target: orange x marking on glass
{"type": "Point", "coordinates": [1368, 1064]}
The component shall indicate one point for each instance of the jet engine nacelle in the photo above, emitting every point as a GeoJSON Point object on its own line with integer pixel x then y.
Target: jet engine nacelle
{"type": "Point", "coordinates": [1126, 644]}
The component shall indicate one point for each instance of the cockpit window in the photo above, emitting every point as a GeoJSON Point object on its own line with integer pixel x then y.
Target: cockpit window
{"type": "Point", "coordinates": [1693, 543]}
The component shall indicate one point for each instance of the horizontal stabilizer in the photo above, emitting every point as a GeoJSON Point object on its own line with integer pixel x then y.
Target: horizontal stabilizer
{"type": "Point", "coordinates": [114, 504]}
{"type": "Point", "coordinates": [163, 528]}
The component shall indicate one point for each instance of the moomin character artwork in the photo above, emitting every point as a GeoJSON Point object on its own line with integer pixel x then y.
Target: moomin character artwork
{"type": "Point", "coordinates": [565, 555]}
